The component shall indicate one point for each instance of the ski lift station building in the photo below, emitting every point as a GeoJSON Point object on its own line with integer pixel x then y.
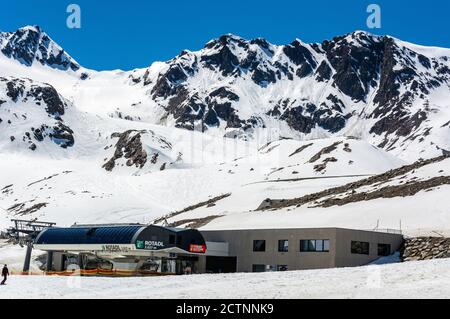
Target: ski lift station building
{"type": "Point", "coordinates": [164, 250]}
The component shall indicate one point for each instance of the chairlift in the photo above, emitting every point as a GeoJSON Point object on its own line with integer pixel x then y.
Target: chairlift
{"type": "Point", "coordinates": [24, 233]}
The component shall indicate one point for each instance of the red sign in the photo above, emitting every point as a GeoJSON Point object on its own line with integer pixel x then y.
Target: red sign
{"type": "Point", "coordinates": [201, 249]}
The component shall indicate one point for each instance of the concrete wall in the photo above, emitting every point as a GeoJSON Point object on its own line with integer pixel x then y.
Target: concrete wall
{"type": "Point", "coordinates": [58, 261]}
{"type": "Point", "coordinates": [339, 255]}
{"type": "Point", "coordinates": [344, 257]}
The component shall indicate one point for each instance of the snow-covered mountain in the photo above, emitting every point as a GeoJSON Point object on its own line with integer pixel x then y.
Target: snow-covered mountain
{"type": "Point", "coordinates": [30, 45]}
{"type": "Point", "coordinates": [205, 138]}
{"type": "Point", "coordinates": [388, 92]}
{"type": "Point", "coordinates": [391, 93]}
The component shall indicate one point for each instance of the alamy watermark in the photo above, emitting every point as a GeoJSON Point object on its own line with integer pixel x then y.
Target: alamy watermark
{"type": "Point", "coordinates": [374, 19]}
{"type": "Point", "coordinates": [74, 19]}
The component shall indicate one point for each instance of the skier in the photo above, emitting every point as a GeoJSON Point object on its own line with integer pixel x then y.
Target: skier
{"type": "Point", "coordinates": [188, 269]}
{"type": "Point", "coordinates": [5, 274]}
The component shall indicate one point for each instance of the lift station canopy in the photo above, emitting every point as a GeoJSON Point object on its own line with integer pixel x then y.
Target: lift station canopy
{"type": "Point", "coordinates": [122, 240]}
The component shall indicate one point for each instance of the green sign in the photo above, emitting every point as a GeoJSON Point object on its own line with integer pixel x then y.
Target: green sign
{"type": "Point", "coordinates": [140, 244]}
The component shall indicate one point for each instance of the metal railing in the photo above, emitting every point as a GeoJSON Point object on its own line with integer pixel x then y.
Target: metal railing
{"type": "Point", "coordinates": [387, 231]}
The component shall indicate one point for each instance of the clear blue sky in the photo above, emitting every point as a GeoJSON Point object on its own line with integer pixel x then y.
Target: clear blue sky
{"type": "Point", "coordinates": [134, 33]}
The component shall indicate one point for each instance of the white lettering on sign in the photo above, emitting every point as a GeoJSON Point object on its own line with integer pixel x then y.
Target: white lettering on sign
{"type": "Point", "coordinates": [153, 244]}
{"type": "Point", "coordinates": [197, 248]}
{"type": "Point", "coordinates": [115, 248]}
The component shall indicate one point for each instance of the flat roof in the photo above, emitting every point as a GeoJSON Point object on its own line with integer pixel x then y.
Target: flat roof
{"type": "Point", "coordinates": [382, 231]}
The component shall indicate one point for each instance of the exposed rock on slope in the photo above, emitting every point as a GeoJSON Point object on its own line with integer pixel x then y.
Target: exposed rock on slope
{"type": "Point", "coordinates": [301, 149]}
{"type": "Point", "coordinates": [22, 209]}
{"type": "Point", "coordinates": [369, 188]}
{"type": "Point", "coordinates": [129, 147]}
{"type": "Point", "coordinates": [409, 188]}
{"type": "Point", "coordinates": [326, 150]}
{"type": "Point", "coordinates": [32, 112]}
{"type": "Point", "coordinates": [194, 223]}
{"type": "Point", "coordinates": [209, 203]}
{"type": "Point", "coordinates": [138, 148]}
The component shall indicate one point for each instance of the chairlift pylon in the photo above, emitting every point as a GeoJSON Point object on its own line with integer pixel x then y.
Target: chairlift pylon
{"type": "Point", "coordinates": [24, 233]}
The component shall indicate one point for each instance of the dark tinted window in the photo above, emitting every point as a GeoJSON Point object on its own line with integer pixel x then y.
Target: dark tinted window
{"type": "Point", "coordinates": [283, 246]}
{"type": "Point", "coordinates": [384, 249]}
{"type": "Point", "coordinates": [259, 245]}
{"type": "Point", "coordinates": [259, 268]}
{"type": "Point", "coordinates": [360, 248]}
{"type": "Point", "coordinates": [315, 245]}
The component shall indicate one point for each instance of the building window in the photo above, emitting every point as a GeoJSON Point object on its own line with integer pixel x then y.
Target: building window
{"type": "Point", "coordinates": [283, 246]}
{"type": "Point", "coordinates": [384, 250]}
{"type": "Point", "coordinates": [259, 268]}
{"type": "Point", "coordinates": [259, 245]}
{"type": "Point", "coordinates": [360, 248]}
{"type": "Point", "coordinates": [326, 245]}
{"type": "Point", "coordinates": [315, 245]}
{"type": "Point", "coordinates": [282, 268]}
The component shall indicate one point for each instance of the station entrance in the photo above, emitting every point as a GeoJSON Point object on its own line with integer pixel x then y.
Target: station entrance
{"type": "Point", "coordinates": [217, 265]}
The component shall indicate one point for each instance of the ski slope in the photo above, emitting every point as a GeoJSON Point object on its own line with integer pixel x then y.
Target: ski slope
{"type": "Point", "coordinates": [79, 190]}
{"type": "Point", "coordinates": [412, 280]}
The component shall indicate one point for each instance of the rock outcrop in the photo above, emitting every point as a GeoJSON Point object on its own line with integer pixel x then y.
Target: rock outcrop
{"type": "Point", "coordinates": [37, 110]}
{"type": "Point", "coordinates": [30, 44]}
{"type": "Point", "coordinates": [425, 248]}
{"type": "Point", "coordinates": [140, 149]}
{"type": "Point", "coordinates": [129, 146]}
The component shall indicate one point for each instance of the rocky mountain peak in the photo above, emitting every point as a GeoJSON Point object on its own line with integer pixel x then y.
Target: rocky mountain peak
{"type": "Point", "coordinates": [31, 44]}
{"type": "Point", "coordinates": [226, 40]}
{"type": "Point", "coordinates": [308, 87]}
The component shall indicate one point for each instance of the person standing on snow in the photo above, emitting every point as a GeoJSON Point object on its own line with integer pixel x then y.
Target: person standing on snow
{"type": "Point", "coordinates": [5, 274]}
